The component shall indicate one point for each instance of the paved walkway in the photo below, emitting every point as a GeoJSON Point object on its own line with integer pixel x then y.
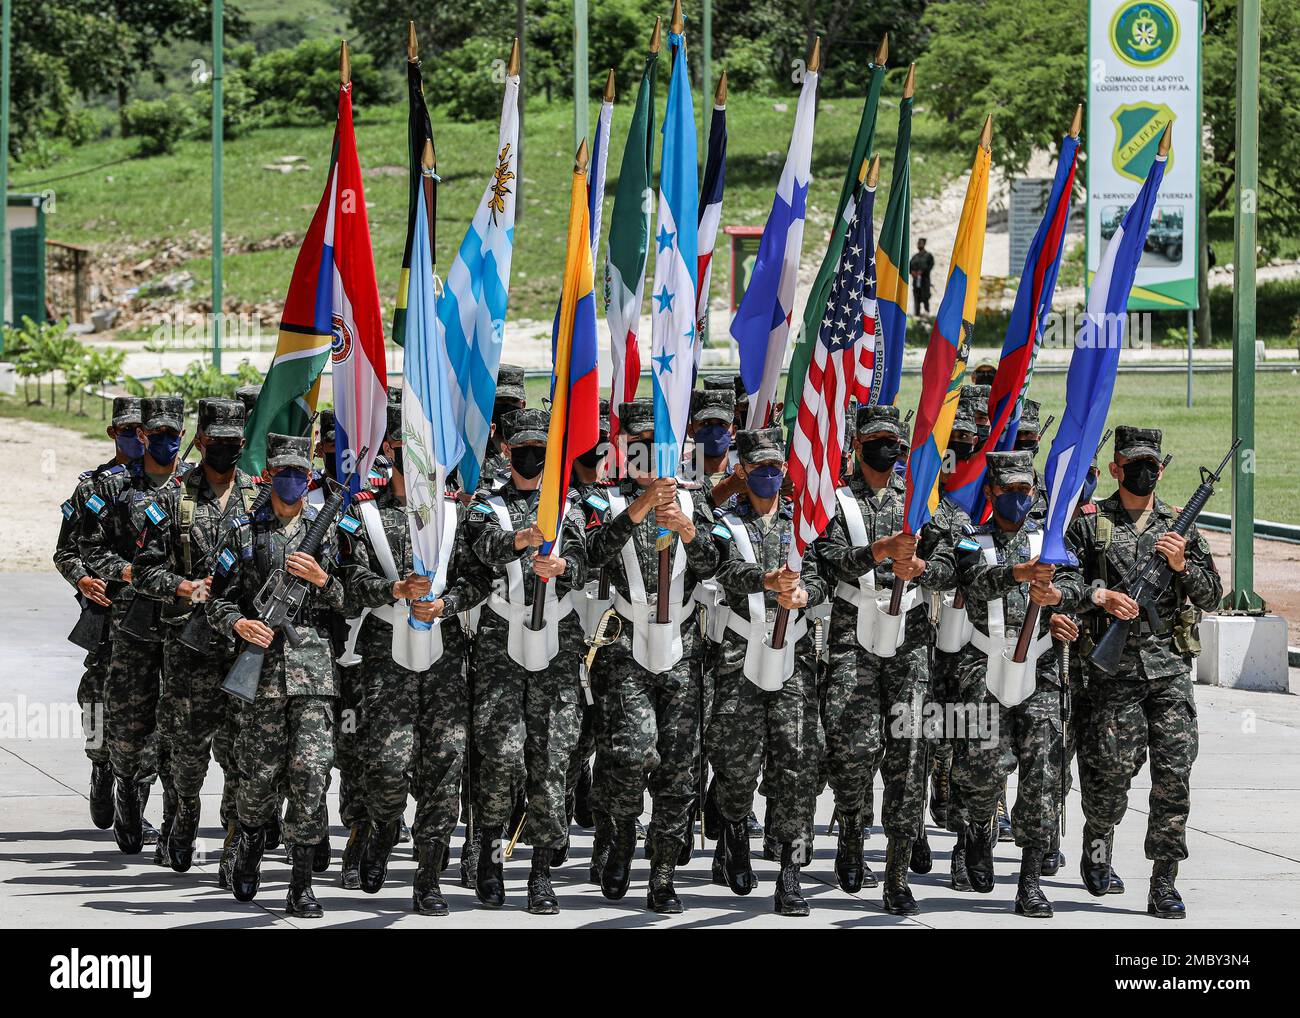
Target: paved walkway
{"type": "Point", "coordinates": [57, 871]}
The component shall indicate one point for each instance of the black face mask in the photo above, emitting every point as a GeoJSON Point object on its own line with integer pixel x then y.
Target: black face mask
{"type": "Point", "coordinates": [222, 458]}
{"type": "Point", "coordinates": [397, 460]}
{"type": "Point", "coordinates": [592, 457]}
{"type": "Point", "coordinates": [528, 460]}
{"type": "Point", "coordinates": [880, 453]}
{"type": "Point", "coordinates": [1026, 443]}
{"type": "Point", "coordinates": [962, 450]}
{"type": "Point", "coordinates": [981, 434]}
{"type": "Point", "coordinates": [1140, 477]}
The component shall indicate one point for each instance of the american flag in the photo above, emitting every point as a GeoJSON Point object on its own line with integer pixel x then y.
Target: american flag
{"type": "Point", "coordinates": [844, 354]}
{"type": "Point", "coordinates": [871, 344]}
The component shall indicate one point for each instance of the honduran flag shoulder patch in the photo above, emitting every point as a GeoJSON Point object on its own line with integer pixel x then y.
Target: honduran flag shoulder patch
{"type": "Point", "coordinates": [966, 544]}
{"type": "Point", "coordinates": [96, 505]}
{"type": "Point", "coordinates": [225, 560]}
{"type": "Point", "coordinates": [67, 509]}
{"type": "Point", "coordinates": [155, 514]}
{"type": "Point", "coordinates": [722, 530]}
{"type": "Point", "coordinates": [349, 524]}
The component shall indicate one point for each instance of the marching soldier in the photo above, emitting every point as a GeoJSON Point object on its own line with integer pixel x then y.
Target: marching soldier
{"type": "Point", "coordinates": [1148, 704]}
{"type": "Point", "coordinates": [285, 739]}
{"type": "Point", "coordinates": [527, 694]}
{"type": "Point", "coordinates": [175, 567]}
{"type": "Point", "coordinates": [649, 678]}
{"type": "Point", "coordinates": [1028, 436]}
{"type": "Point", "coordinates": [510, 396]}
{"type": "Point", "coordinates": [713, 428]}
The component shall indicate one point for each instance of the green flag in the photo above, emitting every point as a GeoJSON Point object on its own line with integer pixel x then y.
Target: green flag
{"type": "Point", "coordinates": [891, 260]}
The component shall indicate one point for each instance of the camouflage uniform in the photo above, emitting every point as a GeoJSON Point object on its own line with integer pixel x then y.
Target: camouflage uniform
{"type": "Point", "coordinates": [510, 395]}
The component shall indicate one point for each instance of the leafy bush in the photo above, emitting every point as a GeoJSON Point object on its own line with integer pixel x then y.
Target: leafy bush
{"type": "Point", "coordinates": [749, 64]}
{"type": "Point", "coordinates": [301, 84]}
{"type": "Point", "coordinates": [239, 107]}
{"type": "Point", "coordinates": [157, 124]}
{"type": "Point", "coordinates": [469, 80]}
{"type": "Point", "coordinates": [199, 379]}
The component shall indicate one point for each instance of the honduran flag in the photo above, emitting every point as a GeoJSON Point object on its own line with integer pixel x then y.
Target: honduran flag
{"type": "Point", "coordinates": [332, 310]}
{"type": "Point", "coordinates": [715, 179]}
{"type": "Point", "coordinates": [761, 325]}
{"type": "Point", "coordinates": [1093, 364]}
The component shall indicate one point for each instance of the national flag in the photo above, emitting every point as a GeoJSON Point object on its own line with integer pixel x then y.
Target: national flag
{"type": "Point", "coordinates": [331, 311]}
{"type": "Point", "coordinates": [596, 177]}
{"type": "Point", "coordinates": [821, 288]}
{"type": "Point", "coordinates": [575, 390]}
{"type": "Point", "coordinates": [1090, 382]}
{"type": "Point", "coordinates": [1024, 335]}
{"type": "Point", "coordinates": [944, 366]}
{"type": "Point", "coordinates": [419, 129]}
{"type": "Point", "coordinates": [672, 313]}
{"type": "Point", "coordinates": [625, 259]}
{"type": "Point", "coordinates": [715, 178]}
{"type": "Point", "coordinates": [891, 259]}
{"type": "Point", "coordinates": [472, 305]}
{"type": "Point", "coordinates": [817, 442]}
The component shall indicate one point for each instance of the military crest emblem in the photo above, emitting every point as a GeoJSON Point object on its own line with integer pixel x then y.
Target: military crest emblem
{"type": "Point", "coordinates": [1138, 127]}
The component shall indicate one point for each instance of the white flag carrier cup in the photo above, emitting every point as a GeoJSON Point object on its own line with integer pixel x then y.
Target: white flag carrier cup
{"type": "Point", "coordinates": [533, 649]}
{"type": "Point", "coordinates": [878, 631]}
{"type": "Point", "coordinates": [1010, 682]}
{"type": "Point", "coordinates": [765, 666]}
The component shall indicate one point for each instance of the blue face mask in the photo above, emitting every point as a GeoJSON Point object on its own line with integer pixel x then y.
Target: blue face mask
{"type": "Point", "coordinates": [289, 485]}
{"type": "Point", "coordinates": [714, 439]}
{"type": "Point", "coordinates": [764, 481]}
{"type": "Point", "coordinates": [1089, 486]}
{"type": "Point", "coordinates": [163, 447]}
{"type": "Point", "coordinates": [130, 446]}
{"type": "Point", "coordinates": [1013, 506]}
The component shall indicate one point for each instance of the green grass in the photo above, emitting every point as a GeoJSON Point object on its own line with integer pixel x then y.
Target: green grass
{"type": "Point", "coordinates": [91, 425]}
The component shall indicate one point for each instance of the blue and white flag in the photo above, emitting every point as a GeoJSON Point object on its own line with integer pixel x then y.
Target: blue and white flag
{"type": "Point", "coordinates": [762, 323]}
{"type": "Point", "coordinates": [472, 306]}
{"type": "Point", "coordinates": [1093, 364]}
{"type": "Point", "coordinates": [672, 309]}
{"type": "Point", "coordinates": [596, 178]}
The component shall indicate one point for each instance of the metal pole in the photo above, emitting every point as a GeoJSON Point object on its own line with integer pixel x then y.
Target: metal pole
{"type": "Point", "coordinates": [218, 138]}
{"type": "Point", "coordinates": [1243, 596]}
{"type": "Point", "coordinates": [581, 88]}
{"type": "Point", "coordinates": [1191, 340]}
{"type": "Point", "coordinates": [706, 69]}
{"type": "Point", "coordinates": [520, 22]}
{"type": "Point", "coordinates": [4, 166]}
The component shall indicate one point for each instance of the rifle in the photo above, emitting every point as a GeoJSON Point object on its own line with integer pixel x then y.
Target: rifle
{"type": "Point", "coordinates": [1066, 707]}
{"type": "Point", "coordinates": [1148, 579]}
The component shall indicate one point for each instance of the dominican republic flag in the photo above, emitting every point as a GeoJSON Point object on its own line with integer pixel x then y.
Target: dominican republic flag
{"type": "Point", "coordinates": [672, 309]}
{"type": "Point", "coordinates": [1091, 379]}
{"type": "Point", "coordinates": [472, 306]}
{"type": "Point", "coordinates": [331, 311]}
{"type": "Point", "coordinates": [1024, 335]}
{"type": "Point", "coordinates": [575, 388]}
{"type": "Point", "coordinates": [944, 366]}
{"type": "Point", "coordinates": [596, 177]}
{"type": "Point", "coordinates": [715, 179]}
{"type": "Point", "coordinates": [761, 325]}
{"type": "Point", "coordinates": [817, 442]}
{"type": "Point", "coordinates": [627, 248]}
{"type": "Point", "coordinates": [891, 259]}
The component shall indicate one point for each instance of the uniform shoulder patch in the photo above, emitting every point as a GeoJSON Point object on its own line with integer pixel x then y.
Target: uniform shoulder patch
{"type": "Point", "coordinates": [85, 475]}
{"type": "Point", "coordinates": [597, 502]}
{"type": "Point", "coordinates": [364, 496]}
{"type": "Point", "coordinates": [225, 560]}
{"type": "Point", "coordinates": [1088, 509]}
{"type": "Point", "coordinates": [154, 514]}
{"type": "Point", "coordinates": [967, 544]}
{"type": "Point", "coordinates": [349, 524]}
{"type": "Point", "coordinates": [722, 530]}
{"type": "Point", "coordinates": [96, 505]}
{"type": "Point", "coordinates": [240, 521]}
{"type": "Point", "coordinates": [67, 509]}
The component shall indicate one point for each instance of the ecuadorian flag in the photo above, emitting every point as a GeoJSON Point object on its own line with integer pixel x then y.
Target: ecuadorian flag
{"type": "Point", "coordinates": [944, 366]}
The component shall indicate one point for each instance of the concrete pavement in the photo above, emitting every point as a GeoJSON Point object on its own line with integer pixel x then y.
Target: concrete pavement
{"type": "Point", "coordinates": [57, 871]}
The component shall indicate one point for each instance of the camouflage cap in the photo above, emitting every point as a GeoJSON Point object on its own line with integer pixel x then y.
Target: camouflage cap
{"type": "Point", "coordinates": [742, 394]}
{"type": "Point", "coordinates": [978, 395]}
{"type": "Point", "coordinates": [328, 426]}
{"type": "Point", "coordinates": [877, 418]}
{"type": "Point", "coordinates": [527, 425]}
{"type": "Point", "coordinates": [603, 412]}
{"type": "Point", "coordinates": [1031, 419]}
{"type": "Point", "coordinates": [760, 445]}
{"type": "Point", "coordinates": [719, 382]}
{"type": "Point", "coordinates": [713, 405]}
{"type": "Point", "coordinates": [395, 394]}
{"type": "Point", "coordinates": [1137, 443]}
{"type": "Point", "coordinates": [163, 412]}
{"type": "Point", "coordinates": [1006, 468]}
{"type": "Point", "coordinates": [394, 430]}
{"type": "Point", "coordinates": [984, 373]}
{"type": "Point", "coordinates": [510, 382]}
{"type": "Point", "coordinates": [247, 394]}
{"type": "Point", "coordinates": [221, 418]}
{"type": "Point", "coordinates": [964, 419]}
{"type": "Point", "coordinates": [126, 412]}
{"type": "Point", "coordinates": [636, 417]}
{"type": "Point", "coordinates": [288, 451]}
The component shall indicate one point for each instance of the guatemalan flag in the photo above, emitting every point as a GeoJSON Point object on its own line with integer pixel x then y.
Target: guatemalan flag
{"type": "Point", "coordinates": [715, 179]}
{"type": "Point", "coordinates": [472, 307]}
{"type": "Point", "coordinates": [332, 310]}
{"type": "Point", "coordinates": [761, 325]}
{"type": "Point", "coordinates": [1024, 335]}
{"type": "Point", "coordinates": [672, 309]}
{"type": "Point", "coordinates": [1094, 362]}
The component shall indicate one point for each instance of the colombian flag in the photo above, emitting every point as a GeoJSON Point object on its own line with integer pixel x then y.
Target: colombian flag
{"type": "Point", "coordinates": [575, 412]}
{"type": "Point", "coordinates": [944, 366]}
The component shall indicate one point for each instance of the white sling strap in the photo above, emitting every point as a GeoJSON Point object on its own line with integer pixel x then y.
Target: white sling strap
{"type": "Point", "coordinates": [765, 667]}
{"type": "Point", "coordinates": [877, 630]}
{"type": "Point", "coordinates": [1010, 682]}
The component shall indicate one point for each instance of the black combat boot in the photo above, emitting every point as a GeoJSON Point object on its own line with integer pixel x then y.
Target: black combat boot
{"type": "Point", "coordinates": [939, 796]}
{"type": "Point", "coordinates": [959, 878]}
{"type": "Point", "coordinates": [922, 860]}
{"type": "Point", "coordinates": [736, 866]}
{"type": "Point", "coordinates": [1116, 884]}
{"type": "Point", "coordinates": [753, 828]}
{"type": "Point", "coordinates": [228, 848]}
{"type": "Point", "coordinates": [788, 899]}
{"type": "Point", "coordinates": [490, 876]}
{"type": "Point", "coordinates": [426, 895]}
{"type": "Point", "coordinates": [771, 848]}
{"type": "Point", "coordinates": [1053, 858]}
{"type": "Point", "coordinates": [541, 895]}
{"type": "Point", "coordinates": [403, 832]}
{"type": "Point", "coordinates": [246, 872]}
{"type": "Point", "coordinates": [848, 853]}
{"type": "Point", "coordinates": [661, 896]}
{"type": "Point", "coordinates": [469, 860]}
{"type": "Point", "coordinates": [150, 832]}
{"type": "Point", "coordinates": [617, 871]}
{"type": "Point", "coordinates": [350, 863]}
{"type": "Point", "coordinates": [600, 847]}
{"type": "Point", "coordinates": [979, 855]}
{"type": "Point", "coordinates": [320, 853]}
{"type": "Point", "coordinates": [185, 827]}
{"type": "Point", "coordinates": [374, 856]}
{"type": "Point", "coordinates": [1164, 901]}
{"type": "Point", "coordinates": [897, 896]}
{"type": "Point", "coordinates": [712, 817]}
{"type": "Point", "coordinates": [718, 867]}
{"type": "Point", "coordinates": [582, 812]}
{"type": "Point", "coordinates": [1094, 864]}
{"type": "Point", "coordinates": [1004, 818]}
{"type": "Point", "coordinates": [301, 903]}
{"type": "Point", "coordinates": [127, 829]}
{"type": "Point", "coordinates": [1031, 902]}
{"type": "Point", "coordinates": [559, 856]}
{"type": "Point", "coordinates": [274, 832]}
{"type": "Point", "coordinates": [101, 795]}
{"type": "Point", "coordinates": [162, 852]}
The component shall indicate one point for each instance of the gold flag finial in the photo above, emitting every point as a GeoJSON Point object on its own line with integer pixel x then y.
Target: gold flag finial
{"type": "Point", "coordinates": [412, 46]}
{"type": "Point", "coordinates": [720, 93]}
{"type": "Point", "coordinates": [580, 160]}
{"type": "Point", "coordinates": [873, 171]}
{"type": "Point", "coordinates": [1166, 140]}
{"type": "Point", "coordinates": [609, 86]}
{"type": "Point", "coordinates": [815, 57]}
{"type": "Point", "coordinates": [882, 51]}
{"type": "Point", "coordinates": [345, 65]}
{"type": "Point", "coordinates": [986, 135]}
{"type": "Point", "coordinates": [656, 37]}
{"type": "Point", "coordinates": [427, 159]}
{"type": "Point", "coordinates": [678, 23]}
{"type": "Point", "coordinates": [909, 83]}
{"type": "Point", "coordinates": [1076, 125]}
{"type": "Point", "coordinates": [512, 69]}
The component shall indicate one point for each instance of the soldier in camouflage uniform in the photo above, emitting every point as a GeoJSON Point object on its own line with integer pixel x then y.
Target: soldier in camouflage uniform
{"type": "Point", "coordinates": [753, 727]}
{"type": "Point", "coordinates": [713, 428]}
{"type": "Point", "coordinates": [1148, 704]}
{"type": "Point", "coordinates": [285, 738]}
{"type": "Point", "coordinates": [871, 705]}
{"type": "Point", "coordinates": [1028, 436]}
{"type": "Point", "coordinates": [652, 707]}
{"type": "Point", "coordinates": [95, 597]}
{"type": "Point", "coordinates": [999, 576]}
{"type": "Point", "coordinates": [510, 396]}
{"type": "Point", "coordinates": [415, 722]}
{"type": "Point", "coordinates": [515, 708]}
{"type": "Point", "coordinates": [112, 531]}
